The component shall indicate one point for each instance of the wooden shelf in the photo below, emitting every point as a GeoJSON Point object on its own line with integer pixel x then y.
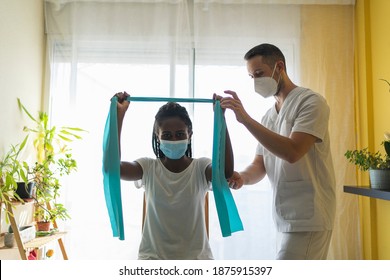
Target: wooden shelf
{"type": "Point", "coordinates": [367, 191]}
{"type": "Point", "coordinates": [39, 242]}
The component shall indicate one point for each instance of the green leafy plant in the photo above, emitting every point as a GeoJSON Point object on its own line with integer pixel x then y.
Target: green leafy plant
{"type": "Point", "coordinates": [366, 160]}
{"type": "Point", "coordinates": [46, 176]}
{"type": "Point", "coordinates": [54, 160]}
{"type": "Point", "coordinates": [12, 170]}
{"type": "Point", "coordinates": [48, 214]}
{"type": "Point", "coordinates": [388, 83]}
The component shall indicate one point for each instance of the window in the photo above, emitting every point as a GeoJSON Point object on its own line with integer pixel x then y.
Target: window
{"type": "Point", "coordinates": [180, 49]}
{"type": "Point", "coordinates": [86, 106]}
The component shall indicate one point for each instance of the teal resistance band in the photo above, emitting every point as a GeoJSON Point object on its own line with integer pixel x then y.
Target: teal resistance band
{"type": "Point", "coordinates": [111, 172]}
{"type": "Point", "coordinates": [229, 219]}
{"type": "Point", "coordinates": [228, 216]}
{"type": "Point", "coordinates": [169, 99]}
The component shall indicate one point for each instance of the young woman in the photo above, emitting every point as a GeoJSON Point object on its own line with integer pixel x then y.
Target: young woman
{"type": "Point", "coordinates": [175, 186]}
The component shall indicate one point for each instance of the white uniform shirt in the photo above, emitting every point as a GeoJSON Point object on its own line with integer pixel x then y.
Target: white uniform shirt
{"type": "Point", "coordinates": [303, 192]}
{"type": "Point", "coordinates": [174, 225]}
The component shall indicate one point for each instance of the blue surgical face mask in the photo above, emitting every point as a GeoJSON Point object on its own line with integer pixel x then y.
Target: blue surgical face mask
{"type": "Point", "coordinates": [174, 149]}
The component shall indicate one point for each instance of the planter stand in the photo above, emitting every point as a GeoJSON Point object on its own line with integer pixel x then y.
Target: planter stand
{"type": "Point", "coordinates": [37, 243]}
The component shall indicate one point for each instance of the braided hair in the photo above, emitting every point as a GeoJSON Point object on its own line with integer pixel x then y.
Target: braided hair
{"type": "Point", "coordinates": [171, 109]}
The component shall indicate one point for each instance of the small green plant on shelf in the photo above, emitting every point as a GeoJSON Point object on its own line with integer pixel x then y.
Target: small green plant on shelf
{"type": "Point", "coordinates": [48, 214]}
{"type": "Point", "coordinates": [365, 160]}
{"type": "Point", "coordinates": [54, 160]}
{"type": "Point", "coordinates": [388, 83]}
{"type": "Point", "coordinates": [48, 187]}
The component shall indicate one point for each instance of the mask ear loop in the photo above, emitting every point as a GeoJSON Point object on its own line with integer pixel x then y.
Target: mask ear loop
{"type": "Point", "coordinates": [280, 75]}
{"type": "Point", "coordinates": [273, 72]}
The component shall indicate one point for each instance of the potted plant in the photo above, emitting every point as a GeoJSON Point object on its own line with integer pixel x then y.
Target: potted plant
{"type": "Point", "coordinates": [377, 164]}
{"type": "Point", "coordinates": [12, 171]}
{"type": "Point", "coordinates": [388, 83]}
{"type": "Point", "coordinates": [54, 160]}
{"type": "Point", "coordinates": [46, 175]}
{"type": "Point", "coordinates": [46, 215]}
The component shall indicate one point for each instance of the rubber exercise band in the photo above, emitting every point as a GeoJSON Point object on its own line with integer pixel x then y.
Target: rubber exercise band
{"type": "Point", "coordinates": [169, 99]}
{"type": "Point", "coordinates": [228, 216]}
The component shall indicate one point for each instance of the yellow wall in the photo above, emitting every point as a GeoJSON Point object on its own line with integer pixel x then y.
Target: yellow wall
{"type": "Point", "coordinates": [373, 113]}
{"type": "Point", "coordinates": [22, 50]}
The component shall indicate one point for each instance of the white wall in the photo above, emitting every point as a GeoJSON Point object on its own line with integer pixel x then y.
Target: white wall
{"type": "Point", "coordinates": [22, 48]}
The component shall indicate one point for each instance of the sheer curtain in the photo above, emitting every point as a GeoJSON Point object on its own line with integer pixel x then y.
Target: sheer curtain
{"type": "Point", "coordinates": [328, 68]}
{"type": "Point", "coordinates": [176, 48]}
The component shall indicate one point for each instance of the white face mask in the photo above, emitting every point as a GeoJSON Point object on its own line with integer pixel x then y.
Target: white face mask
{"type": "Point", "coordinates": [266, 86]}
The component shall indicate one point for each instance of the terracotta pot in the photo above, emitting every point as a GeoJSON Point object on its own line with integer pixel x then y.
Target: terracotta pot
{"type": "Point", "coordinates": [43, 226]}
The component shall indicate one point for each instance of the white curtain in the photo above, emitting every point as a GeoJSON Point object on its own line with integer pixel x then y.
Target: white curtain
{"type": "Point", "coordinates": [178, 48]}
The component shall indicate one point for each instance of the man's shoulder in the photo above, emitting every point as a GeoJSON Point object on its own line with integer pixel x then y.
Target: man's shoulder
{"type": "Point", "coordinates": [308, 95]}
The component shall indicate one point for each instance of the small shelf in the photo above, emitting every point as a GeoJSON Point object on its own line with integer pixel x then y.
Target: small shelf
{"type": "Point", "coordinates": [367, 191]}
{"type": "Point", "coordinates": [39, 242]}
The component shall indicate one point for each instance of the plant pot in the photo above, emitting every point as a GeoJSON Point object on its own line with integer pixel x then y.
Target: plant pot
{"type": "Point", "coordinates": [380, 179]}
{"type": "Point", "coordinates": [43, 226]}
{"type": "Point", "coordinates": [26, 233]}
{"type": "Point", "coordinates": [25, 191]}
{"type": "Point", "coordinates": [9, 240]}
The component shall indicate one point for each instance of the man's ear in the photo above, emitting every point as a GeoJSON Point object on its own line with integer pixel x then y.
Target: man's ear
{"type": "Point", "coordinates": [281, 66]}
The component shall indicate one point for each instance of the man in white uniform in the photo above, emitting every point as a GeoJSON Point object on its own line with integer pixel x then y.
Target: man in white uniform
{"type": "Point", "coordinates": [294, 152]}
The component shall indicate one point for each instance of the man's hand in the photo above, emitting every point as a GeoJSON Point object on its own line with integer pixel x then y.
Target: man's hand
{"type": "Point", "coordinates": [234, 103]}
{"type": "Point", "coordinates": [218, 97]}
{"type": "Point", "coordinates": [236, 181]}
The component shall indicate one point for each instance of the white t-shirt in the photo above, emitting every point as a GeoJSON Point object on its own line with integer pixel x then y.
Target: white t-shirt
{"type": "Point", "coordinates": [303, 192]}
{"type": "Point", "coordinates": [174, 225]}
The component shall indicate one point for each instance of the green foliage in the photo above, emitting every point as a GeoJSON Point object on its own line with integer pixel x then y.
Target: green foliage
{"type": "Point", "coordinates": [388, 83]}
{"type": "Point", "coordinates": [54, 160]}
{"type": "Point", "coordinates": [12, 170]}
{"type": "Point", "coordinates": [387, 147]}
{"type": "Point", "coordinates": [48, 214]}
{"type": "Point", "coordinates": [366, 160]}
{"type": "Point", "coordinates": [49, 141]}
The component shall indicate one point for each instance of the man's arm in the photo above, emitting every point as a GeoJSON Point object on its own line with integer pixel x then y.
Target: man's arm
{"type": "Point", "coordinates": [251, 175]}
{"type": "Point", "coordinates": [290, 148]}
